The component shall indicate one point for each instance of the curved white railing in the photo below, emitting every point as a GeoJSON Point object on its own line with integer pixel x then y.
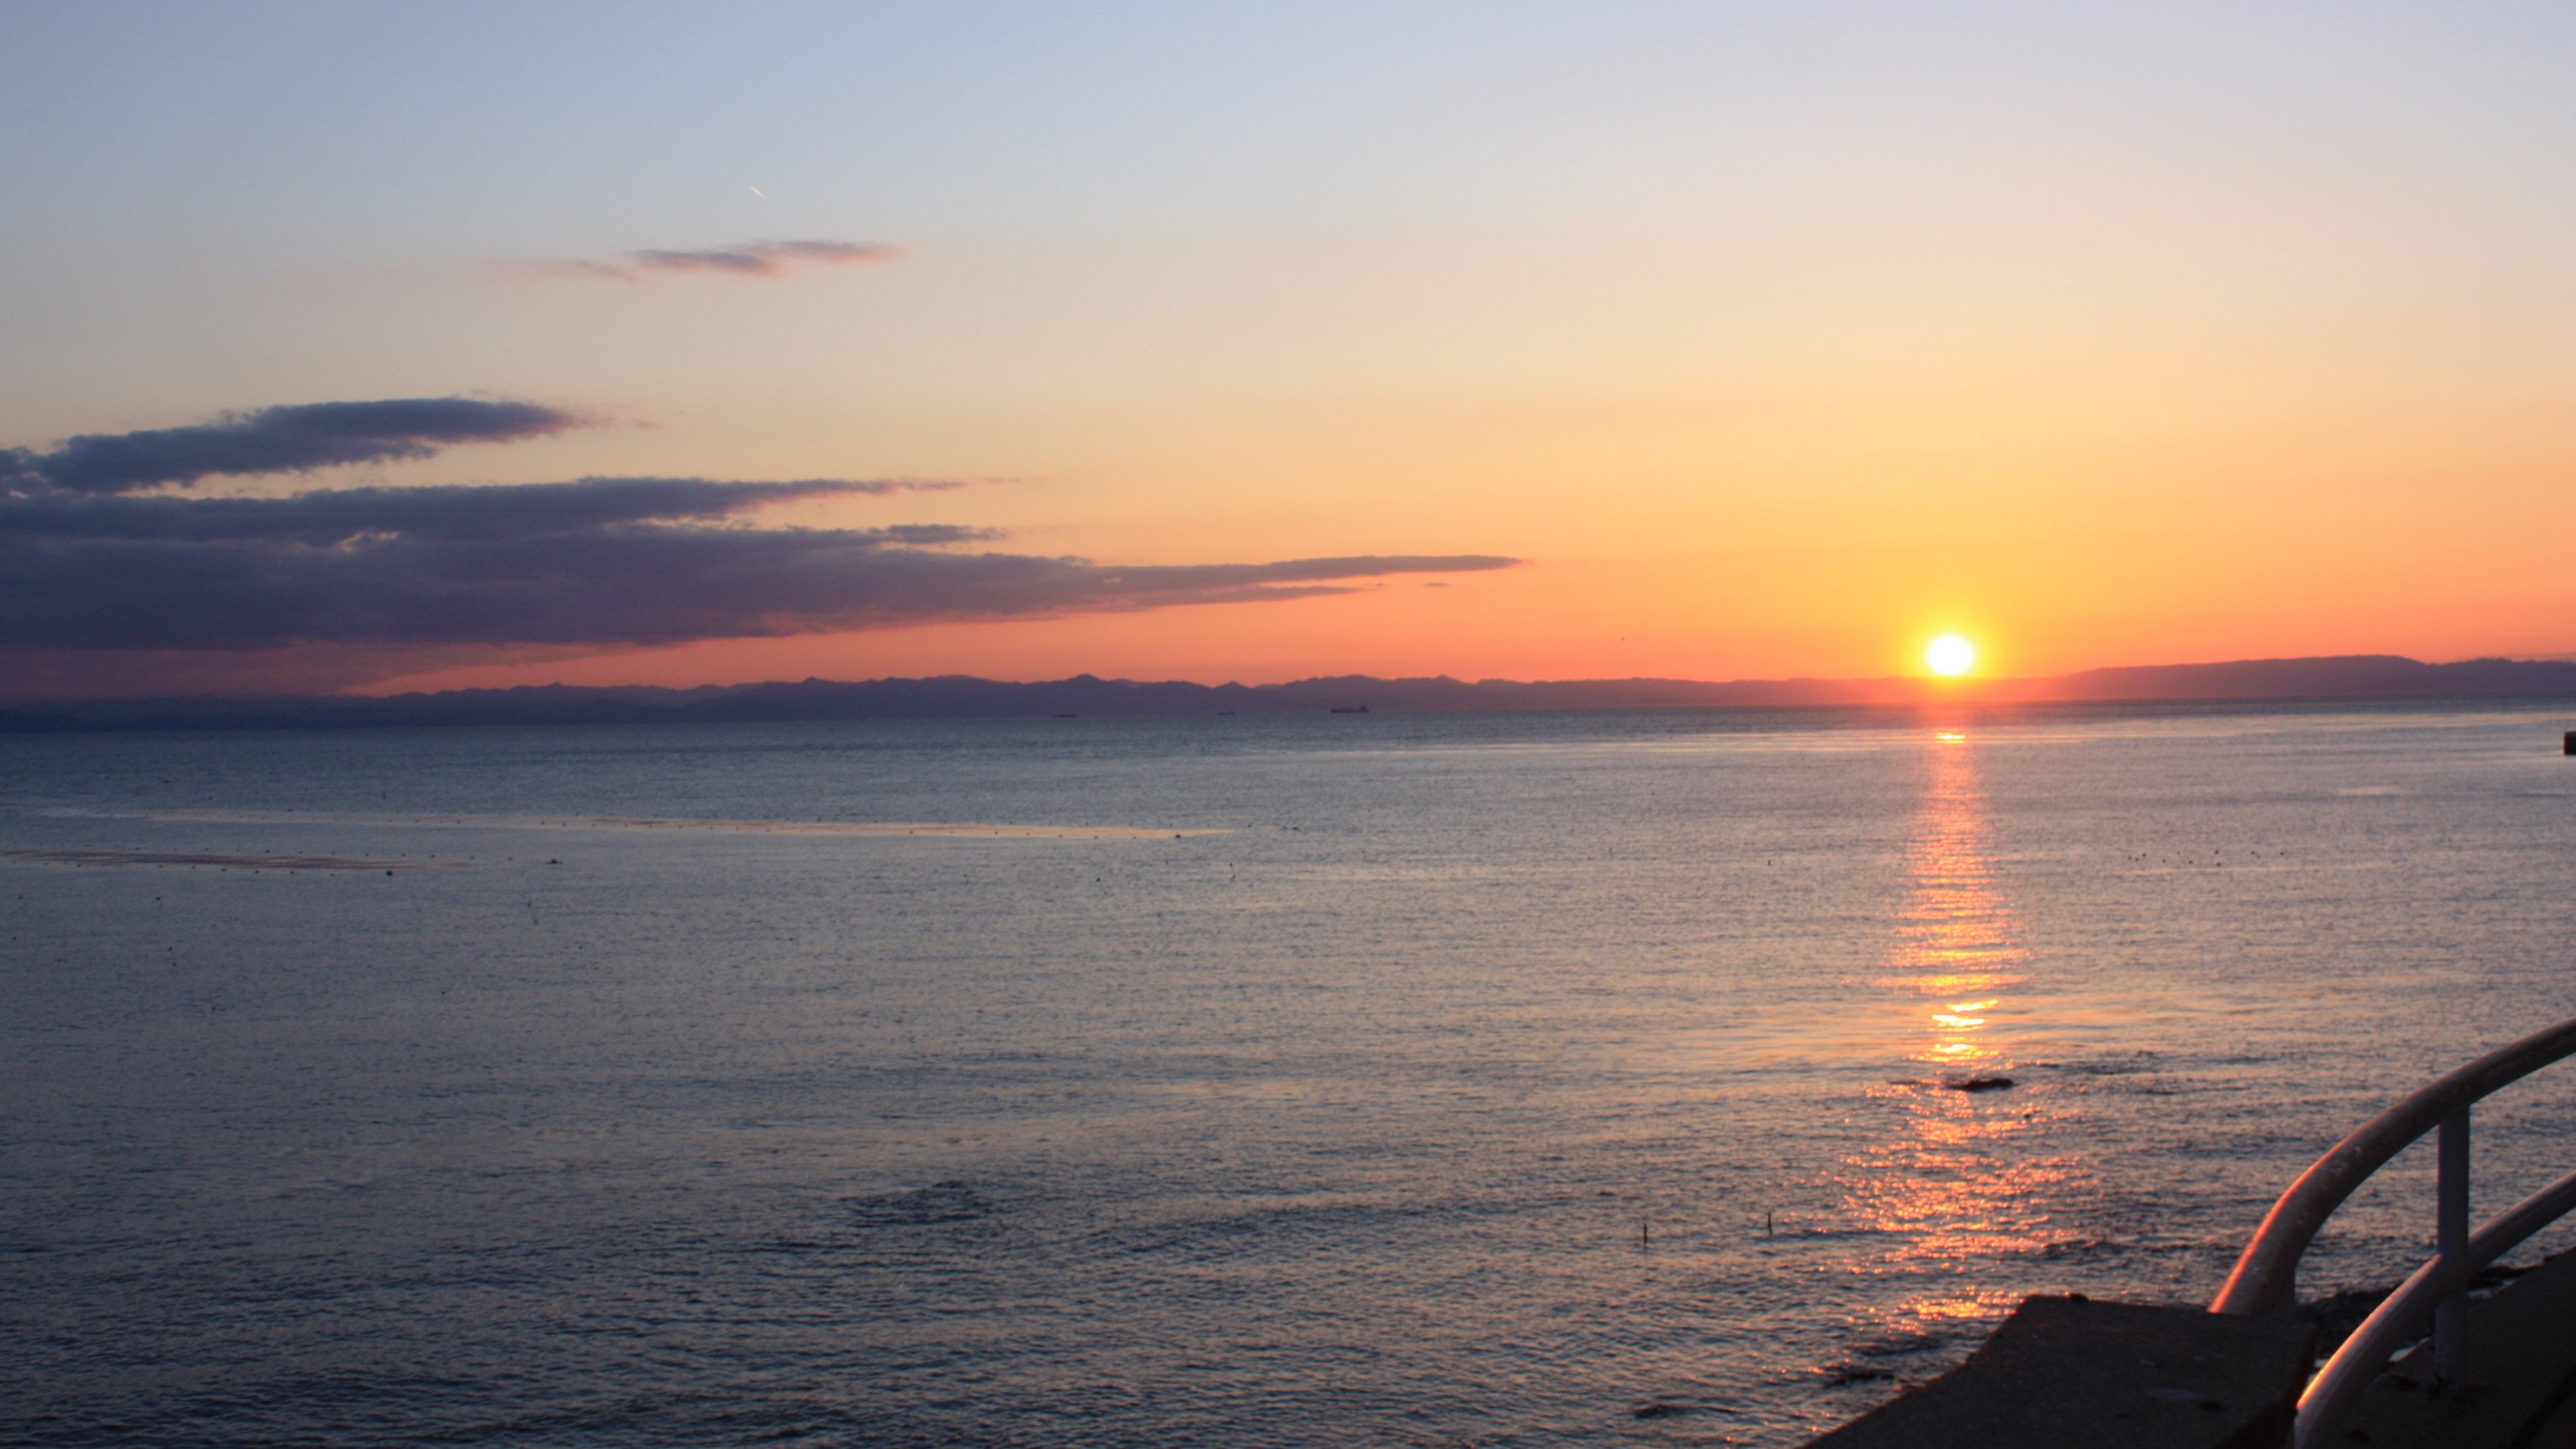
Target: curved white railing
{"type": "Point", "coordinates": [2265, 1279]}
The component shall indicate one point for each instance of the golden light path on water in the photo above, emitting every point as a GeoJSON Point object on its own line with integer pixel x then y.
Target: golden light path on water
{"type": "Point", "coordinates": [1964, 1181]}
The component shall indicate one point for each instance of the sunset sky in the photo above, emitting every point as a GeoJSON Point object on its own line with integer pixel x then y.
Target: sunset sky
{"type": "Point", "coordinates": [1233, 342]}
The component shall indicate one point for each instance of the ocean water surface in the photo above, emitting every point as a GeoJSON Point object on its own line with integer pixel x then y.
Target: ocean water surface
{"type": "Point", "coordinates": [1408, 1080]}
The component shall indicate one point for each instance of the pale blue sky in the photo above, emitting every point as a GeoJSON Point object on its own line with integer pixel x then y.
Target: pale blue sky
{"type": "Point", "coordinates": [158, 154]}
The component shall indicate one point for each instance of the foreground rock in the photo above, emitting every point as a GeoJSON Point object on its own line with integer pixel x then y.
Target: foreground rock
{"type": "Point", "coordinates": [2065, 1371]}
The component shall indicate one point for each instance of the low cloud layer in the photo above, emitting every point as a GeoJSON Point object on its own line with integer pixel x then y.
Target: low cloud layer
{"type": "Point", "coordinates": [277, 440]}
{"type": "Point", "coordinates": [107, 587]}
{"type": "Point", "coordinates": [341, 518]}
{"type": "Point", "coordinates": [766, 259]}
{"type": "Point", "coordinates": [599, 561]}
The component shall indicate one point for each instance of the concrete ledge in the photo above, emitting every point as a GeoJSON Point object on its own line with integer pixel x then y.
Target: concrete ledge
{"type": "Point", "coordinates": [2521, 1389]}
{"type": "Point", "coordinates": [2064, 1371]}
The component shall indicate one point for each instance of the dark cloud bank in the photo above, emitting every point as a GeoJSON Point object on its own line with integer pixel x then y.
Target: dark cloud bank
{"type": "Point", "coordinates": [597, 561]}
{"type": "Point", "coordinates": [88, 563]}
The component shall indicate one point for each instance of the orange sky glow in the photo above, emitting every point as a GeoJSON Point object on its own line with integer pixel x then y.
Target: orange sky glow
{"type": "Point", "coordinates": [1767, 347]}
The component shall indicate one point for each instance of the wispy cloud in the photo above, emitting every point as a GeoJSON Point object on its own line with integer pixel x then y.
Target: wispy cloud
{"type": "Point", "coordinates": [290, 439]}
{"type": "Point", "coordinates": [598, 561]}
{"type": "Point", "coordinates": [751, 259]}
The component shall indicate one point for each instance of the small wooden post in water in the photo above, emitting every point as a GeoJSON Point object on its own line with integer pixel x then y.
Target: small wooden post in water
{"type": "Point", "coordinates": [2571, 742]}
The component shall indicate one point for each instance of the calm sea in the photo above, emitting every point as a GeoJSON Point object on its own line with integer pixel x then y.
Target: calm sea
{"type": "Point", "coordinates": [1370, 1079]}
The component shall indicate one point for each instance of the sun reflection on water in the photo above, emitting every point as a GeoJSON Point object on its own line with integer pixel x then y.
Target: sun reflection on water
{"type": "Point", "coordinates": [1954, 946]}
{"type": "Point", "coordinates": [1962, 1177]}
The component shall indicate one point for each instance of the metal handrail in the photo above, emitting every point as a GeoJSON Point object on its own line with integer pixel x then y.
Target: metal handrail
{"type": "Point", "coordinates": [2265, 1279]}
{"type": "Point", "coordinates": [2403, 1314]}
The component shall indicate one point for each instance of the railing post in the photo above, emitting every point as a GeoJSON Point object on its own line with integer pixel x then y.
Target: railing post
{"type": "Point", "coordinates": [2451, 1241]}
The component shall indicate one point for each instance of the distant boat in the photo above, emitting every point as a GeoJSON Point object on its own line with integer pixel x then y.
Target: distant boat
{"type": "Point", "coordinates": [1068, 716]}
{"type": "Point", "coordinates": [1350, 709]}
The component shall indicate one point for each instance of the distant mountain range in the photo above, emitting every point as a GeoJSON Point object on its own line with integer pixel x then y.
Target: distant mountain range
{"type": "Point", "coordinates": [2357, 676]}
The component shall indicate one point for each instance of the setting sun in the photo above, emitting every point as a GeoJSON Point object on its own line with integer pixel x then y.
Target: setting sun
{"type": "Point", "coordinates": [1950, 655]}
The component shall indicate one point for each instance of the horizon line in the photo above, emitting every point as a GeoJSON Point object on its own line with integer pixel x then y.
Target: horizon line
{"type": "Point", "coordinates": [2288, 679]}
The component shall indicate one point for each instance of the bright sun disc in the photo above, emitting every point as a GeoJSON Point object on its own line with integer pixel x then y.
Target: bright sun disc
{"type": "Point", "coordinates": [1950, 655]}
